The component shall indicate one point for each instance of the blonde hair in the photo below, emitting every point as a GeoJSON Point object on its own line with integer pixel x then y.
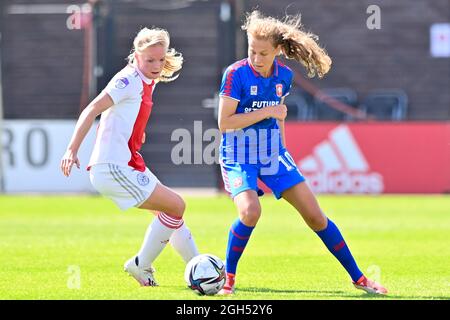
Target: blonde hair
{"type": "Point", "coordinates": [295, 43]}
{"type": "Point", "coordinates": [156, 36]}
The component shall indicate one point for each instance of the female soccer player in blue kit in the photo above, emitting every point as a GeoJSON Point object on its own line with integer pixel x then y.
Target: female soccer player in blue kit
{"type": "Point", "coordinates": [251, 119]}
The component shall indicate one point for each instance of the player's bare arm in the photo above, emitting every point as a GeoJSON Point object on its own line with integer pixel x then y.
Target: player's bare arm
{"type": "Point", "coordinates": [281, 126]}
{"type": "Point", "coordinates": [282, 132]}
{"type": "Point", "coordinates": [101, 103]}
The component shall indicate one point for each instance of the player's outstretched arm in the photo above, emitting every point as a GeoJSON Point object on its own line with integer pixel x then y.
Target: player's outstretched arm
{"type": "Point", "coordinates": [282, 132]}
{"type": "Point", "coordinates": [229, 120]}
{"type": "Point", "coordinates": [281, 126]}
{"type": "Point", "coordinates": [102, 102]}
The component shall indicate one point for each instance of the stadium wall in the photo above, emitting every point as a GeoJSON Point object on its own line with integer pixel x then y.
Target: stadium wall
{"type": "Point", "coordinates": [44, 69]}
{"type": "Point", "coordinates": [43, 61]}
{"type": "Point", "coordinates": [395, 56]}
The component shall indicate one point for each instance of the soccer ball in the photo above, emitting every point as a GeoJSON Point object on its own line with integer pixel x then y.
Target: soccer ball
{"type": "Point", "coordinates": [205, 274]}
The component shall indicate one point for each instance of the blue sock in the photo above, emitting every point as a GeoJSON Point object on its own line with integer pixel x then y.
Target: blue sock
{"type": "Point", "coordinates": [335, 243]}
{"type": "Point", "coordinates": [237, 240]}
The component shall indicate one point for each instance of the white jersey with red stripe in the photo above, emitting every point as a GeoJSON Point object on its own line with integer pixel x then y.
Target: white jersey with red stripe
{"type": "Point", "coordinates": [121, 128]}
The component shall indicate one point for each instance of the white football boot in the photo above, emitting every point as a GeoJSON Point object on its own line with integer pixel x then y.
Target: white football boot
{"type": "Point", "coordinates": [145, 276]}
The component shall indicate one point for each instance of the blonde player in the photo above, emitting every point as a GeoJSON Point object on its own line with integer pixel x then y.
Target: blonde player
{"type": "Point", "coordinates": [117, 169]}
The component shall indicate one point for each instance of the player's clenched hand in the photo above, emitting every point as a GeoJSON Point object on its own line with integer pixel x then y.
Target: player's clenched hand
{"type": "Point", "coordinates": [278, 112]}
{"type": "Point", "coordinates": [68, 160]}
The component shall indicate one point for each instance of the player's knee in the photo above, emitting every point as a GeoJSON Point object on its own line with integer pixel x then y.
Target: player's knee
{"type": "Point", "coordinates": [317, 222]}
{"type": "Point", "coordinates": [179, 206]}
{"type": "Point", "coordinates": [250, 213]}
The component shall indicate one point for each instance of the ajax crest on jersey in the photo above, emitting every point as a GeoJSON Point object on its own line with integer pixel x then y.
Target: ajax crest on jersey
{"type": "Point", "coordinates": [142, 179]}
{"type": "Point", "coordinates": [279, 88]}
{"type": "Point", "coordinates": [205, 274]}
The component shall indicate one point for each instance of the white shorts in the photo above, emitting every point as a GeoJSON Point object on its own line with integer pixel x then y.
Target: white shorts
{"type": "Point", "coordinates": [126, 186]}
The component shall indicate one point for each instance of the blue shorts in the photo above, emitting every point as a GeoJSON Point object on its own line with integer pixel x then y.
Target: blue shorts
{"type": "Point", "coordinates": [279, 175]}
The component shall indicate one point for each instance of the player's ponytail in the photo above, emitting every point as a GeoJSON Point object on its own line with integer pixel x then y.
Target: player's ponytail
{"type": "Point", "coordinates": [149, 37]}
{"type": "Point", "coordinates": [295, 43]}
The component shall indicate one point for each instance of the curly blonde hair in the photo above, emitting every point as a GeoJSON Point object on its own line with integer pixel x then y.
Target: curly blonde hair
{"type": "Point", "coordinates": [295, 43]}
{"type": "Point", "coordinates": [149, 37]}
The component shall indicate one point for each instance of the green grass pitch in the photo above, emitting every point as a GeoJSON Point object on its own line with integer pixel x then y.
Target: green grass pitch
{"type": "Point", "coordinates": [75, 247]}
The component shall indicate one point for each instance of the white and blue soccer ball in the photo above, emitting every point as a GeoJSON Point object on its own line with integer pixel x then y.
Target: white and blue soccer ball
{"type": "Point", "coordinates": [205, 274]}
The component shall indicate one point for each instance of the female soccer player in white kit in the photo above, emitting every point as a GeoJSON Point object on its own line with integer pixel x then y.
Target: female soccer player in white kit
{"type": "Point", "coordinates": [117, 169]}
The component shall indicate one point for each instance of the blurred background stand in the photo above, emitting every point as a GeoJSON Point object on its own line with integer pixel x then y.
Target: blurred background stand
{"type": "Point", "coordinates": [387, 105]}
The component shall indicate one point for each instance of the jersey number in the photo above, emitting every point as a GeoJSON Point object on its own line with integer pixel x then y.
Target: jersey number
{"type": "Point", "coordinates": [287, 160]}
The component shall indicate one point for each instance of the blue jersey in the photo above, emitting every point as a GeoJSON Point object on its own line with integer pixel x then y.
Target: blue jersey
{"type": "Point", "coordinates": [260, 141]}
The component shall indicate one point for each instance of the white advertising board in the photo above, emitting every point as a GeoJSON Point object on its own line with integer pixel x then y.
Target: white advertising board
{"type": "Point", "coordinates": [32, 151]}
